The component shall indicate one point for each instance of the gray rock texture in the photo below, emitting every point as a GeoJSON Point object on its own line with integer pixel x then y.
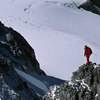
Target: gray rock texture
{"type": "Point", "coordinates": [84, 85]}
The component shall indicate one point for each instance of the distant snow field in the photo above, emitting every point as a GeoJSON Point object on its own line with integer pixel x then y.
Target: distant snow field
{"type": "Point", "coordinates": [56, 33]}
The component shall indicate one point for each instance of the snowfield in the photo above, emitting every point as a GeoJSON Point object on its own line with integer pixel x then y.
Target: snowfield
{"type": "Point", "coordinates": [56, 32]}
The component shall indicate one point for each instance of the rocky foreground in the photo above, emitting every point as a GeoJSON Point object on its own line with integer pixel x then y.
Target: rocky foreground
{"type": "Point", "coordinates": [84, 85]}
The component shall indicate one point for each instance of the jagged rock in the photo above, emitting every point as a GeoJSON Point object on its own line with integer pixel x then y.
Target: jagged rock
{"type": "Point", "coordinates": [91, 5]}
{"type": "Point", "coordinates": [8, 92]}
{"type": "Point", "coordinates": [17, 49]}
{"type": "Point", "coordinates": [84, 85]}
{"type": "Point", "coordinates": [9, 82]}
{"type": "Point", "coordinates": [96, 2]}
{"type": "Point", "coordinates": [17, 55]}
{"type": "Point", "coordinates": [15, 52]}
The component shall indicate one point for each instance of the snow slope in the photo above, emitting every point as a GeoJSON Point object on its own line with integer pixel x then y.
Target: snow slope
{"type": "Point", "coordinates": [57, 33]}
{"type": "Point", "coordinates": [33, 80]}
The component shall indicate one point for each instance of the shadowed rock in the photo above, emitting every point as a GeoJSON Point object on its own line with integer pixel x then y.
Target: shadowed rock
{"type": "Point", "coordinates": [84, 85]}
{"type": "Point", "coordinates": [91, 5]}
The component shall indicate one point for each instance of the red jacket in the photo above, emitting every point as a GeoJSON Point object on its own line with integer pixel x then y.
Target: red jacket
{"type": "Point", "coordinates": [87, 52]}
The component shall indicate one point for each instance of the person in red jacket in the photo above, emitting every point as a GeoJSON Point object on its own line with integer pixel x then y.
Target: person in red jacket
{"type": "Point", "coordinates": [87, 53]}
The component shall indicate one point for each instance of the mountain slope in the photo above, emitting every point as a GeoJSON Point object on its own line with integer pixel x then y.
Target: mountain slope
{"type": "Point", "coordinates": [57, 30]}
{"type": "Point", "coordinates": [33, 80]}
{"type": "Point", "coordinates": [85, 85]}
{"type": "Point", "coordinates": [20, 75]}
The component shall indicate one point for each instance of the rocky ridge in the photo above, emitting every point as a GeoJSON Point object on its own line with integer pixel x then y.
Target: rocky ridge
{"type": "Point", "coordinates": [91, 5]}
{"type": "Point", "coordinates": [16, 53]}
{"type": "Point", "coordinates": [17, 49]}
{"type": "Point", "coordinates": [84, 85]}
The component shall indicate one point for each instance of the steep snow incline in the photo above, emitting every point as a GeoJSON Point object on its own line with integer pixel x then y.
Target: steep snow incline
{"type": "Point", "coordinates": [57, 33]}
{"type": "Point", "coordinates": [33, 80]}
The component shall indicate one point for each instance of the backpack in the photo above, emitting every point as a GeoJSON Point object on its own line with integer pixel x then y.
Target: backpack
{"type": "Point", "coordinates": [90, 50]}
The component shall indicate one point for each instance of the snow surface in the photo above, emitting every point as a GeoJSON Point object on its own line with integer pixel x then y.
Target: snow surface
{"type": "Point", "coordinates": [57, 33]}
{"type": "Point", "coordinates": [84, 85]}
{"type": "Point", "coordinates": [96, 95]}
{"type": "Point", "coordinates": [33, 80]}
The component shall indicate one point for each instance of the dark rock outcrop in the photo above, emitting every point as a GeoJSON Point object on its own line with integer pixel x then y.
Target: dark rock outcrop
{"type": "Point", "coordinates": [12, 87]}
{"type": "Point", "coordinates": [17, 55]}
{"type": "Point", "coordinates": [18, 51]}
{"type": "Point", "coordinates": [15, 52]}
{"type": "Point", "coordinates": [85, 85]}
{"type": "Point", "coordinates": [96, 2]}
{"type": "Point", "coordinates": [91, 5]}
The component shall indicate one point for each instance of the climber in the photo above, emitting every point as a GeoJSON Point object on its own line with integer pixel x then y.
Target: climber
{"type": "Point", "coordinates": [87, 53]}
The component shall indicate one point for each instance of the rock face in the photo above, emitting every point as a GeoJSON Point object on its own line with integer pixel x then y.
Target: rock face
{"type": "Point", "coordinates": [96, 2]}
{"type": "Point", "coordinates": [17, 50]}
{"type": "Point", "coordinates": [91, 5]}
{"type": "Point", "coordinates": [16, 53]}
{"type": "Point", "coordinates": [85, 85]}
